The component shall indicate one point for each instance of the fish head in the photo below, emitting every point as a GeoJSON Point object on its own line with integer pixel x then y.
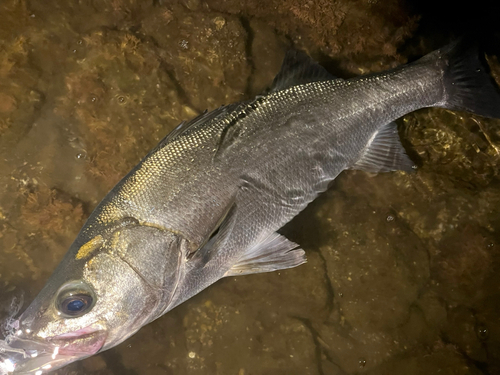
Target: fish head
{"type": "Point", "coordinates": [96, 300]}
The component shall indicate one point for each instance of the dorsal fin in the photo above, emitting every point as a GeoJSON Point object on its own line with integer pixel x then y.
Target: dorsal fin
{"type": "Point", "coordinates": [204, 117]}
{"type": "Point", "coordinates": [299, 68]}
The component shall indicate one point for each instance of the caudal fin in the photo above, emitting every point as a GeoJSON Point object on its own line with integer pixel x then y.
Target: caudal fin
{"type": "Point", "coordinates": [468, 85]}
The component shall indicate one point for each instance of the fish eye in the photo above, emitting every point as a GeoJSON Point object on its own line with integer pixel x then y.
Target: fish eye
{"type": "Point", "coordinates": [75, 299]}
{"type": "Point", "coordinates": [76, 304]}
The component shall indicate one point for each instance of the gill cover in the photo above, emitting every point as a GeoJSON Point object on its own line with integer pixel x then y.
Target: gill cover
{"type": "Point", "coordinates": [156, 255]}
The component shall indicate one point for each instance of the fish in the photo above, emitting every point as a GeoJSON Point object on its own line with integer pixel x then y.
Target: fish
{"type": "Point", "coordinates": [207, 202]}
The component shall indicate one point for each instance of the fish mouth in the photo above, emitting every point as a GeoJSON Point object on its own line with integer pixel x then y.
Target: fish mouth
{"type": "Point", "coordinates": [35, 356]}
{"type": "Point", "coordinates": [86, 341]}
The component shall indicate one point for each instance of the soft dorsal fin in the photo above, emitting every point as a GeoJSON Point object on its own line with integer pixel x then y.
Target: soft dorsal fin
{"type": "Point", "coordinates": [299, 68]}
{"type": "Point", "coordinates": [385, 153]}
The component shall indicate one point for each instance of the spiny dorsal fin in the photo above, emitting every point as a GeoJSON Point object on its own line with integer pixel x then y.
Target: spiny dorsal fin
{"type": "Point", "coordinates": [385, 153]}
{"type": "Point", "coordinates": [297, 69]}
{"type": "Point", "coordinates": [273, 253]}
{"type": "Point", "coordinates": [203, 118]}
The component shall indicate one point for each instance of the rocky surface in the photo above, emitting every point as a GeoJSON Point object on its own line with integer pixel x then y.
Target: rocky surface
{"type": "Point", "coordinates": [402, 272]}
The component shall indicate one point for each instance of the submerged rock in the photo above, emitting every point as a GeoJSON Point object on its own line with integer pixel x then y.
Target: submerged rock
{"type": "Point", "coordinates": [402, 272]}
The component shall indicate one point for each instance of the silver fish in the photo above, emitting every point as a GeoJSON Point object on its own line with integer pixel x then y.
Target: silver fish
{"type": "Point", "coordinates": [207, 201]}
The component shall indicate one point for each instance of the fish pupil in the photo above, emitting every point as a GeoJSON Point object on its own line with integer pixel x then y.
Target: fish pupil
{"type": "Point", "coordinates": [76, 305]}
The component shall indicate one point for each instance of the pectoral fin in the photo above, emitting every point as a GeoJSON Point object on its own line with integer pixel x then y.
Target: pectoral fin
{"type": "Point", "coordinates": [215, 240]}
{"type": "Point", "coordinates": [274, 253]}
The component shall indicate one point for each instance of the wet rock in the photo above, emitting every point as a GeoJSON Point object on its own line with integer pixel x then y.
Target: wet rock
{"type": "Point", "coordinates": [463, 331]}
{"type": "Point", "coordinates": [443, 359]}
{"type": "Point", "coordinates": [434, 310]}
{"type": "Point", "coordinates": [265, 42]}
{"type": "Point", "coordinates": [340, 28]}
{"type": "Point", "coordinates": [7, 103]}
{"type": "Point", "coordinates": [232, 329]}
{"type": "Point", "coordinates": [227, 327]}
{"type": "Point", "coordinates": [374, 251]}
{"type": "Point", "coordinates": [52, 213]}
{"type": "Point", "coordinates": [95, 363]}
{"type": "Point", "coordinates": [206, 52]}
{"type": "Point", "coordinates": [461, 264]}
{"type": "Point", "coordinates": [119, 74]}
{"type": "Point", "coordinates": [462, 146]}
{"type": "Point", "coordinates": [375, 277]}
{"type": "Point", "coordinates": [191, 4]}
{"type": "Point", "coordinates": [18, 79]}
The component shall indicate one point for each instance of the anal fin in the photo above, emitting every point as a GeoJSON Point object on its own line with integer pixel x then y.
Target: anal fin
{"type": "Point", "coordinates": [385, 153]}
{"type": "Point", "coordinates": [274, 253]}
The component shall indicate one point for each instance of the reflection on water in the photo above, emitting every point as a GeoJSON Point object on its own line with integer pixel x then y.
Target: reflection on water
{"type": "Point", "coordinates": [402, 274]}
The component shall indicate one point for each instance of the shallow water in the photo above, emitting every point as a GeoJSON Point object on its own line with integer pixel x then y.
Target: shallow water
{"type": "Point", "coordinates": [403, 270]}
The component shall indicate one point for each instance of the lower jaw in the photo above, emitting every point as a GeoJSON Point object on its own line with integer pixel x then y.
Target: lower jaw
{"type": "Point", "coordinates": [53, 353]}
{"type": "Point", "coordinates": [84, 345]}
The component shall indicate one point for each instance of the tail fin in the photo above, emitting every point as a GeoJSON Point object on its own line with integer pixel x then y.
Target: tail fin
{"type": "Point", "coordinates": [467, 83]}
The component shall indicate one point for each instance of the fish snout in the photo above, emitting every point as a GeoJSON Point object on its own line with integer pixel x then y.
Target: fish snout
{"type": "Point", "coordinates": [28, 355]}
